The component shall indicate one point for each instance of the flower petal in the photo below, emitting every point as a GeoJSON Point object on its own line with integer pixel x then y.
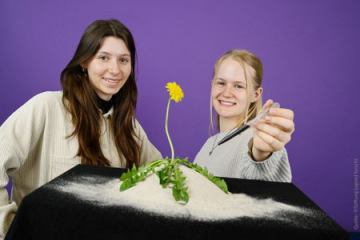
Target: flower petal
{"type": "Point", "coordinates": [175, 91]}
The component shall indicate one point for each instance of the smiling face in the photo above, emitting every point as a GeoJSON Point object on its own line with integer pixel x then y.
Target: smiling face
{"type": "Point", "coordinates": [229, 92]}
{"type": "Point", "coordinates": [109, 68]}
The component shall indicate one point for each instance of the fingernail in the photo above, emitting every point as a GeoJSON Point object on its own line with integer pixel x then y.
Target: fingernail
{"type": "Point", "coordinates": [268, 118]}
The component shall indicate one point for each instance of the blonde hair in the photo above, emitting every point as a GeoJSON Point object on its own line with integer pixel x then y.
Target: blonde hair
{"type": "Point", "coordinates": [245, 58]}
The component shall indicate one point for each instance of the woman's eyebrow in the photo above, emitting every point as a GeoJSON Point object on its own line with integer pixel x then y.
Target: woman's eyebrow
{"type": "Point", "coordinates": [107, 53]}
{"type": "Point", "coordinates": [223, 79]}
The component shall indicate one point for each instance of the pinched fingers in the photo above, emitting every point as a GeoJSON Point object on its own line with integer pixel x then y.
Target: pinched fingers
{"type": "Point", "coordinates": [266, 143]}
{"type": "Point", "coordinates": [285, 124]}
{"type": "Point", "coordinates": [282, 112]}
{"type": "Point", "coordinates": [268, 103]}
{"type": "Point", "coordinates": [273, 134]}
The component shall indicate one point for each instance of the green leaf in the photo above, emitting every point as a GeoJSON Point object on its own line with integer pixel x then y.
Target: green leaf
{"type": "Point", "coordinates": [221, 184]}
{"type": "Point", "coordinates": [169, 175]}
{"type": "Point", "coordinates": [181, 196]}
{"type": "Point", "coordinates": [126, 185]}
{"type": "Point", "coordinates": [179, 189]}
{"type": "Point", "coordinates": [134, 175]}
{"type": "Point", "coordinates": [165, 175]}
{"type": "Point", "coordinates": [129, 173]}
{"type": "Point", "coordinates": [204, 171]}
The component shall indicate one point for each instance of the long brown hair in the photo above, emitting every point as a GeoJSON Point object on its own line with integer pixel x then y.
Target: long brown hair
{"type": "Point", "coordinates": [244, 57]}
{"type": "Point", "coordinates": [79, 98]}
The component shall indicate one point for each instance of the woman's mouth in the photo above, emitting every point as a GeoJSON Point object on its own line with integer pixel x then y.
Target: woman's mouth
{"type": "Point", "coordinates": [111, 80]}
{"type": "Point", "coordinates": [226, 103]}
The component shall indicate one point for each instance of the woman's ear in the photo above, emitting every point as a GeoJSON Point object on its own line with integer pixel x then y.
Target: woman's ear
{"type": "Point", "coordinates": [84, 65]}
{"type": "Point", "coordinates": [257, 94]}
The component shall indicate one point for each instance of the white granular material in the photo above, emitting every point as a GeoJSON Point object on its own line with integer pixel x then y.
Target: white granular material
{"type": "Point", "coordinates": [206, 200]}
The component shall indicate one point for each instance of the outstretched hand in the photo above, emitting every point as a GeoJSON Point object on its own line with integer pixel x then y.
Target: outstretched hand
{"type": "Point", "coordinates": [272, 133]}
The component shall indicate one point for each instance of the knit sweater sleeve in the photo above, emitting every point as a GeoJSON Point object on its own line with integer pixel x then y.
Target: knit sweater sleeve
{"type": "Point", "coordinates": [231, 159]}
{"type": "Point", "coordinates": [148, 152]}
{"type": "Point", "coordinates": [18, 134]}
{"type": "Point", "coordinates": [276, 168]}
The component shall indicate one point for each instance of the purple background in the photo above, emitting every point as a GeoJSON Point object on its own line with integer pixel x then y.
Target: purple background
{"type": "Point", "coordinates": [310, 51]}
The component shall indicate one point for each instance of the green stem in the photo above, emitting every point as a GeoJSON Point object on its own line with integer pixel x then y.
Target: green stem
{"type": "Point", "coordinates": [156, 162]}
{"type": "Point", "coordinates": [176, 173]}
{"type": "Point", "coordinates": [167, 131]}
{"type": "Point", "coordinates": [161, 161]}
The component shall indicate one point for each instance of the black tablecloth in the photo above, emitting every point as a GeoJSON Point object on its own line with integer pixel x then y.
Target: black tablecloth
{"type": "Point", "coordinates": [50, 214]}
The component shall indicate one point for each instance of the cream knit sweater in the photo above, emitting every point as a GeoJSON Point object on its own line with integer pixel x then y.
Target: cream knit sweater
{"type": "Point", "coordinates": [231, 159]}
{"type": "Point", "coordinates": [34, 149]}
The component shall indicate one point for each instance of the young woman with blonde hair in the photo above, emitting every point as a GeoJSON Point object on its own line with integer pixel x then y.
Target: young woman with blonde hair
{"type": "Point", "coordinates": [258, 152]}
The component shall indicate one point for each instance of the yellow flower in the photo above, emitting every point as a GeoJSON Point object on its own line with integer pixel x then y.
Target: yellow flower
{"type": "Point", "coordinates": [175, 91]}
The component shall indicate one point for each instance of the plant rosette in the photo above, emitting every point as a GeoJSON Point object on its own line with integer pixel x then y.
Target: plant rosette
{"type": "Point", "coordinates": [168, 169]}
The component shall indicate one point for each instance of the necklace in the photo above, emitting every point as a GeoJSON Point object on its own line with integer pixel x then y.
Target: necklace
{"type": "Point", "coordinates": [215, 145]}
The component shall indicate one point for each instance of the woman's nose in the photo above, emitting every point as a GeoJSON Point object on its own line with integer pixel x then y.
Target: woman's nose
{"type": "Point", "coordinates": [114, 68]}
{"type": "Point", "coordinates": [227, 91]}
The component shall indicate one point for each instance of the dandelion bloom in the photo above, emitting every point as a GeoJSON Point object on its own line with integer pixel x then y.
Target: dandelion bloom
{"type": "Point", "coordinates": [175, 91]}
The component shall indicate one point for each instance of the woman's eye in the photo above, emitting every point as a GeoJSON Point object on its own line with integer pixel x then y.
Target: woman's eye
{"type": "Point", "coordinates": [220, 83]}
{"type": "Point", "coordinates": [239, 86]}
{"type": "Point", "coordinates": [104, 58]}
{"type": "Point", "coordinates": [124, 60]}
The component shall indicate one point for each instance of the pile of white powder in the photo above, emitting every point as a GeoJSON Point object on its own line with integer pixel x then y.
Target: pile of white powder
{"type": "Point", "coordinates": [206, 200]}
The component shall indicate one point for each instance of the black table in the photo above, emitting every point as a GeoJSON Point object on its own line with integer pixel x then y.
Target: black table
{"type": "Point", "coordinates": [50, 214]}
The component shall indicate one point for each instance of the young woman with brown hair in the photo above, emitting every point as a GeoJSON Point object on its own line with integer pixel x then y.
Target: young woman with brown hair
{"type": "Point", "coordinates": [91, 121]}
